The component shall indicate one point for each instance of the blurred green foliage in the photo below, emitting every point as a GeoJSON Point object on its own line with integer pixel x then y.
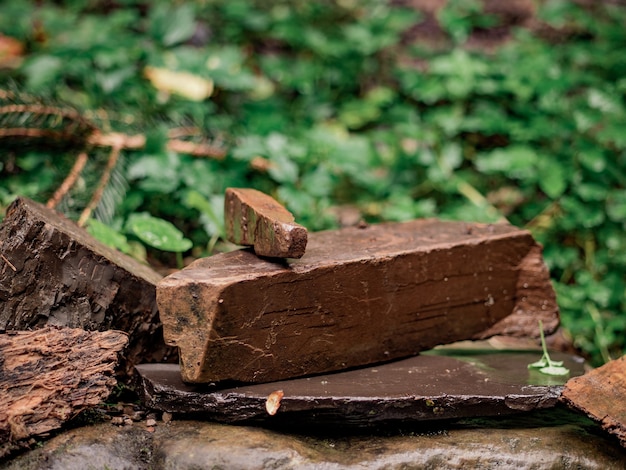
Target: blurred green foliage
{"type": "Point", "coordinates": [329, 104]}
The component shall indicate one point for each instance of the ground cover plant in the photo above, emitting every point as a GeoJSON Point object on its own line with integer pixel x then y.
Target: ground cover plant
{"type": "Point", "coordinates": [334, 108]}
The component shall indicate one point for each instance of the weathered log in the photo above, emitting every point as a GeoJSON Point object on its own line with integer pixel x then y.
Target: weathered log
{"type": "Point", "coordinates": [49, 375]}
{"type": "Point", "coordinates": [253, 218]}
{"type": "Point", "coordinates": [427, 387]}
{"type": "Point", "coordinates": [53, 272]}
{"type": "Point", "coordinates": [601, 395]}
{"type": "Point", "coordinates": [357, 297]}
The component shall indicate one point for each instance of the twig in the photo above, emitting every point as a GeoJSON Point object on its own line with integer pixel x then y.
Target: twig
{"type": "Point", "coordinates": [39, 133]}
{"type": "Point", "coordinates": [42, 110]}
{"type": "Point", "coordinates": [104, 179]}
{"type": "Point", "coordinates": [8, 262]}
{"type": "Point", "coordinates": [117, 139]}
{"type": "Point", "coordinates": [69, 181]}
{"type": "Point", "coordinates": [178, 132]}
{"type": "Point", "coordinates": [131, 142]}
{"type": "Point", "coordinates": [196, 150]}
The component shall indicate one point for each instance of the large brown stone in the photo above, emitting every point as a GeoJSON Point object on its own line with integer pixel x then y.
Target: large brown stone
{"type": "Point", "coordinates": [253, 218]}
{"type": "Point", "coordinates": [601, 395]}
{"type": "Point", "coordinates": [54, 273]}
{"type": "Point", "coordinates": [358, 296]}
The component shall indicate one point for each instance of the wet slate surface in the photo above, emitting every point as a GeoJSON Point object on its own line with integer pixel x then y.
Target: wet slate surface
{"type": "Point", "coordinates": [436, 386]}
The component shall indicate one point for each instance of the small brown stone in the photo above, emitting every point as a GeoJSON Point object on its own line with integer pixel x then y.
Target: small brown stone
{"type": "Point", "coordinates": [255, 219]}
{"type": "Point", "coordinates": [117, 420]}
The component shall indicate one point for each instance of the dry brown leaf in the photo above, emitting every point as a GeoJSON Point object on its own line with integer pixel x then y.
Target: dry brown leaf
{"type": "Point", "coordinates": [184, 84]}
{"type": "Point", "coordinates": [11, 52]}
{"type": "Point", "coordinates": [273, 402]}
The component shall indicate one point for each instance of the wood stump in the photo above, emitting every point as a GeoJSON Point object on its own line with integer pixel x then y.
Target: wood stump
{"type": "Point", "coordinates": [53, 272]}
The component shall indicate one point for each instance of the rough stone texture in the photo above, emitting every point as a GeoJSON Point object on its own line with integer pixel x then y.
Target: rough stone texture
{"type": "Point", "coordinates": [358, 296]}
{"type": "Point", "coordinates": [253, 218]}
{"type": "Point", "coordinates": [49, 375]}
{"type": "Point", "coordinates": [601, 395]}
{"type": "Point", "coordinates": [550, 439]}
{"type": "Point", "coordinates": [53, 272]}
{"type": "Point", "coordinates": [422, 388]}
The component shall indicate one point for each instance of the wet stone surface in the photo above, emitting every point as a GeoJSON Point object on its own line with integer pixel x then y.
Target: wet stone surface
{"type": "Point", "coordinates": [443, 384]}
{"type": "Point", "coordinates": [556, 438]}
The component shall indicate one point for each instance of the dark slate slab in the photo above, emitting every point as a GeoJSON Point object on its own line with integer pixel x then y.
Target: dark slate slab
{"type": "Point", "coordinates": [420, 388]}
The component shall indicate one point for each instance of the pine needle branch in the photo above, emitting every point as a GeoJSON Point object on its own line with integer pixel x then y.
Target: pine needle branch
{"type": "Point", "coordinates": [104, 180]}
{"type": "Point", "coordinates": [69, 181]}
{"type": "Point", "coordinates": [27, 121]}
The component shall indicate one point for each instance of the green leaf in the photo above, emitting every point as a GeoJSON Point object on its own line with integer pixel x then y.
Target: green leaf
{"type": "Point", "coordinates": [541, 363]}
{"type": "Point", "coordinates": [108, 235]}
{"type": "Point", "coordinates": [157, 173]}
{"type": "Point", "coordinates": [42, 71]}
{"type": "Point", "coordinates": [172, 25]}
{"type": "Point", "coordinates": [211, 211]}
{"type": "Point", "coordinates": [616, 205]}
{"type": "Point", "coordinates": [552, 177]}
{"type": "Point", "coordinates": [554, 370]}
{"type": "Point", "coordinates": [545, 365]}
{"type": "Point", "coordinates": [158, 233]}
{"type": "Point", "coordinates": [515, 161]}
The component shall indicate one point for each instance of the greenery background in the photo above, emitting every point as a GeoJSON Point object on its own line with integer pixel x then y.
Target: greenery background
{"type": "Point", "coordinates": [335, 107]}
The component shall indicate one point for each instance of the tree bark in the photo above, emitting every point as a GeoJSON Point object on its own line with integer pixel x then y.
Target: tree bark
{"type": "Point", "coordinates": [601, 395]}
{"type": "Point", "coordinates": [53, 272]}
{"type": "Point", "coordinates": [49, 375]}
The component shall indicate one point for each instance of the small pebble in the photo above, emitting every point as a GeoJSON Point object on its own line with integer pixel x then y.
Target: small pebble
{"type": "Point", "coordinates": [127, 421]}
{"type": "Point", "coordinates": [150, 429]}
{"type": "Point", "coordinates": [167, 417]}
{"type": "Point", "coordinates": [151, 422]}
{"type": "Point", "coordinates": [117, 420]}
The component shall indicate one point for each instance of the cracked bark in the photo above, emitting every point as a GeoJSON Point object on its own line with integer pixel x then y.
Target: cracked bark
{"type": "Point", "coordinates": [47, 376]}
{"type": "Point", "coordinates": [601, 395]}
{"type": "Point", "coordinates": [357, 297]}
{"type": "Point", "coordinates": [54, 273]}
